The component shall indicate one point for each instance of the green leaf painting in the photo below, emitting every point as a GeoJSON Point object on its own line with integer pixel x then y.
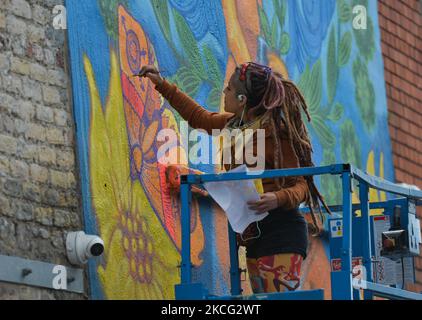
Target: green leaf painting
{"type": "Point", "coordinates": [212, 66]}
{"type": "Point", "coordinates": [284, 43]}
{"type": "Point", "coordinates": [280, 10]}
{"type": "Point", "coordinates": [161, 12]}
{"type": "Point", "coordinates": [265, 27]}
{"type": "Point", "coordinates": [345, 49]}
{"type": "Point", "coordinates": [332, 69]}
{"type": "Point", "coordinates": [344, 11]}
{"type": "Point", "coordinates": [364, 93]}
{"type": "Point", "coordinates": [274, 32]}
{"type": "Point", "coordinates": [365, 38]}
{"type": "Point", "coordinates": [350, 145]}
{"type": "Point", "coordinates": [325, 135]}
{"type": "Point", "coordinates": [310, 84]}
{"type": "Point", "coordinates": [189, 44]}
{"type": "Point", "coordinates": [336, 113]}
{"type": "Point", "coordinates": [276, 39]}
{"type": "Point", "coordinates": [213, 100]}
{"type": "Point", "coordinates": [331, 184]}
{"type": "Point", "coordinates": [187, 81]}
{"type": "Point", "coordinates": [108, 10]}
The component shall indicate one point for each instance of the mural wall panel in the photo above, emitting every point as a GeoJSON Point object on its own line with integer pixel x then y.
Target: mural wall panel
{"type": "Point", "coordinates": [196, 44]}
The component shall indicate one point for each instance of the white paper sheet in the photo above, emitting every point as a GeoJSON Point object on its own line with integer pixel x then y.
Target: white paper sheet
{"type": "Point", "coordinates": [232, 197]}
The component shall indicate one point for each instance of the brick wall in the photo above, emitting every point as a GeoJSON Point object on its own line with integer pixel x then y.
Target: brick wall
{"type": "Point", "coordinates": [38, 190]}
{"type": "Point", "coordinates": [401, 40]}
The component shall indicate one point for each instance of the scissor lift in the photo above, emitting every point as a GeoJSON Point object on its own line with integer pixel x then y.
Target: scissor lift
{"type": "Point", "coordinates": [357, 238]}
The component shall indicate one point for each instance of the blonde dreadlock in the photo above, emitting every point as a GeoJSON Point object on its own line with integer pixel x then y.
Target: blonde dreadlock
{"type": "Point", "coordinates": [267, 90]}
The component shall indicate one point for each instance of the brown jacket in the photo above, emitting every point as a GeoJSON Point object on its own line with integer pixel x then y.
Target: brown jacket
{"type": "Point", "coordinates": [294, 190]}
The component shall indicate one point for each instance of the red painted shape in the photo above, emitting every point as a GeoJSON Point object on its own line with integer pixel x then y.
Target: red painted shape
{"type": "Point", "coordinates": [129, 91]}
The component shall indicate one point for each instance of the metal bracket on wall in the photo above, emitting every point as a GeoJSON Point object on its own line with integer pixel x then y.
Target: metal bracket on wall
{"type": "Point", "coordinates": [39, 274]}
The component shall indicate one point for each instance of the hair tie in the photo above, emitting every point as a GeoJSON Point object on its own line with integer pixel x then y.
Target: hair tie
{"type": "Point", "coordinates": [242, 76]}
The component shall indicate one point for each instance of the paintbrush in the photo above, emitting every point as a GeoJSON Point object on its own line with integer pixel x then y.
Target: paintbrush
{"type": "Point", "coordinates": [138, 75]}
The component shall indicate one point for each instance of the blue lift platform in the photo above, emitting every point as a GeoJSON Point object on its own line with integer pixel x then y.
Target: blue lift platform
{"type": "Point", "coordinates": [355, 240]}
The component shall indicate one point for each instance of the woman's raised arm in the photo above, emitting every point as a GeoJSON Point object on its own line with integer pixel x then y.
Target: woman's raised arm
{"type": "Point", "coordinates": [197, 116]}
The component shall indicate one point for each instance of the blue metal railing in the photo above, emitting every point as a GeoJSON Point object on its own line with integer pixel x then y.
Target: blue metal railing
{"type": "Point", "coordinates": [342, 287]}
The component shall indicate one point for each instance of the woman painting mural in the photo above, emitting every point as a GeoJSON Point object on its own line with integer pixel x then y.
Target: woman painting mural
{"type": "Point", "coordinates": [257, 97]}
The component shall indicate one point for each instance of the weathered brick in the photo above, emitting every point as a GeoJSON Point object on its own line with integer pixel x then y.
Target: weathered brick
{"type": "Point", "coordinates": [19, 169]}
{"type": "Point", "coordinates": [4, 165]}
{"type": "Point", "coordinates": [44, 215]}
{"type": "Point", "coordinates": [38, 173]}
{"type": "Point", "coordinates": [8, 144]}
{"type": "Point", "coordinates": [56, 136]}
{"type": "Point", "coordinates": [57, 78]}
{"type": "Point", "coordinates": [13, 187]}
{"type": "Point", "coordinates": [15, 25]}
{"type": "Point", "coordinates": [41, 15]}
{"type": "Point", "coordinates": [22, 231]}
{"type": "Point", "coordinates": [20, 66]}
{"type": "Point", "coordinates": [47, 155]}
{"type": "Point", "coordinates": [37, 52]}
{"type": "Point", "coordinates": [66, 159]}
{"type": "Point", "coordinates": [29, 152]}
{"type": "Point", "coordinates": [31, 89]}
{"type": "Point", "coordinates": [24, 211]}
{"type": "Point", "coordinates": [49, 57]}
{"type": "Point", "coordinates": [50, 196]}
{"type": "Point", "coordinates": [6, 100]}
{"type": "Point", "coordinates": [4, 62]}
{"type": "Point", "coordinates": [12, 83]}
{"type": "Point", "coordinates": [59, 179]}
{"type": "Point", "coordinates": [38, 232]}
{"type": "Point", "coordinates": [4, 205]}
{"type": "Point", "coordinates": [60, 58]}
{"type": "Point", "coordinates": [57, 241]}
{"type": "Point", "coordinates": [69, 136]}
{"type": "Point", "coordinates": [38, 72]}
{"type": "Point", "coordinates": [19, 44]}
{"type": "Point", "coordinates": [61, 117]}
{"type": "Point", "coordinates": [71, 181]}
{"type": "Point", "coordinates": [70, 200]}
{"type": "Point", "coordinates": [2, 20]}
{"type": "Point", "coordinates": [36, 132]}
{"type": "Point", "coordinates": [45, 114]}
{"type": "Point", "coordinates": [23, 109]}
{"type": "Point", "coordinates": [8, 124]}
{"type": "Point", "coordinates": [51, 95]}
{"type": "Point", "coordinates": [36, 34]}
{"type": "Point", "coordinates": [20, 8]}
{"type": "Point", "coordinates": [31, 192]}
{"type": "Point", "coordinates": [63, 218]}
{"type": "Point", "coordinates": [7, 228]}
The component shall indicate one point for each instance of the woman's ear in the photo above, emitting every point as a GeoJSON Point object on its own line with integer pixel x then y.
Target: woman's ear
{"type": "Point", "coordinates": [242, 100]}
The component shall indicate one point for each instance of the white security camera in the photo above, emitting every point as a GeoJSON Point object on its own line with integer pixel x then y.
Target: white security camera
{"type": "Point", "coordinates": [80, 247]}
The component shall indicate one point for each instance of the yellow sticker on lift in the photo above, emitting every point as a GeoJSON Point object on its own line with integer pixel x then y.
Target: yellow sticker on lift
{"type": "Point", "coordinates": [258, 185]}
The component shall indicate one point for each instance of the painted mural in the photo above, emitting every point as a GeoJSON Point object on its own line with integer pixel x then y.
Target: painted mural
{"type": "Point", "coordinates": [196, 44]}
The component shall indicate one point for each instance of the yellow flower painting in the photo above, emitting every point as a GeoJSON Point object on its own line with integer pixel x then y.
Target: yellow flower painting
{"type": "Point", "coordinates": [140, 260]}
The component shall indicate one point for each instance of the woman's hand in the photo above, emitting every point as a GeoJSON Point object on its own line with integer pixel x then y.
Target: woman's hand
{"type": "Point", "coordinates": [151, 72]}
{"type": "Point", "coordinates": [267, 202]}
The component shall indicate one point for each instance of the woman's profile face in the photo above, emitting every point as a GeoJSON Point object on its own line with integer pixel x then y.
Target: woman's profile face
{"type": "Point", "coordinates": [231, 102]}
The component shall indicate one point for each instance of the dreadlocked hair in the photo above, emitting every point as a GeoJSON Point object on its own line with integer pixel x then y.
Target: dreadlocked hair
{"type": "Point", "coordinates": [269, 91]}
